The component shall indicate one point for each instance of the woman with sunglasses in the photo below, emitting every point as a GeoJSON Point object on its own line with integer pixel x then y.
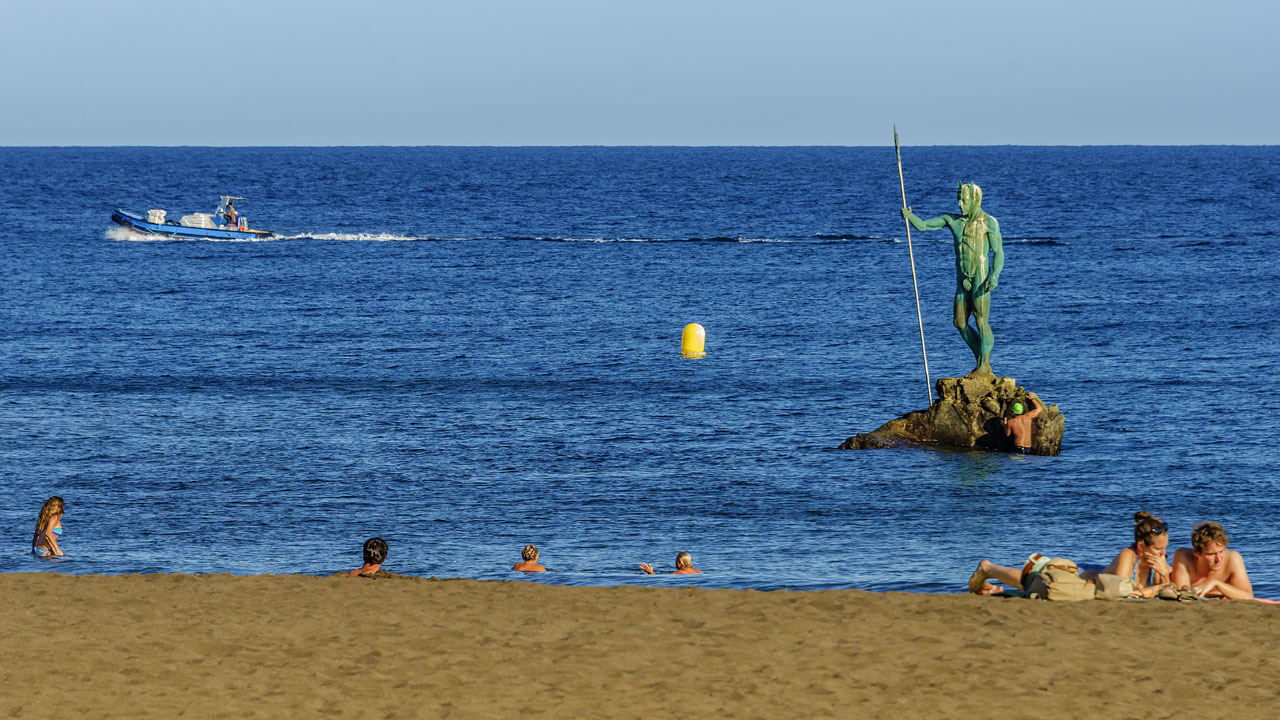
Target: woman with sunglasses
{"type": "Point", "coordinates": [1144, 561]}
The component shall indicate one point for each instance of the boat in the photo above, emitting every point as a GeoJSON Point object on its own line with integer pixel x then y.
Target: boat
{"type": "Point", "coordinates": [225, 223]}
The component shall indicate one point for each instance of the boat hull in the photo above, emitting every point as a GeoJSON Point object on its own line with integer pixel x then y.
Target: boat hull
{"type": "Point", "coordinates": [138, 223]}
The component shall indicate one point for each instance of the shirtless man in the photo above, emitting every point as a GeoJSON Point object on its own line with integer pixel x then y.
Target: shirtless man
{"type": "Point", "coordinates": [1019, 426]}
{"type": "Point", "coordinates": [1209, 567]}
{"type": "Point", "coordinates": [976, 233]}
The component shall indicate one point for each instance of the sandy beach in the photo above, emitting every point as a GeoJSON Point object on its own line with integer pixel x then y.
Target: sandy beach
{"type": "Point", "coordinates": [301, 646]}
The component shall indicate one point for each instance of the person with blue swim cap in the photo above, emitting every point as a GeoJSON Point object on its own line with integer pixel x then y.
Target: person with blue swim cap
{"type": "Point", "coordinates": [1018, 424]}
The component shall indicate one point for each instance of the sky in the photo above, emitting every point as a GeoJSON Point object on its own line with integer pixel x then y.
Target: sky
{"type": "Point", "coordinates": [638, 72]}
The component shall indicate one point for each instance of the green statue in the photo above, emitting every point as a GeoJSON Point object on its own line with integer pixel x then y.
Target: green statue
{"type": "Point", "coordinates": [976, 233]}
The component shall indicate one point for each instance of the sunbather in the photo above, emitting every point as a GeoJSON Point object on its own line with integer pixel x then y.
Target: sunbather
{"type": "Point", "coordinates": [1144, 560]}
{"type": "Point", "coordinates": [1209, 567]}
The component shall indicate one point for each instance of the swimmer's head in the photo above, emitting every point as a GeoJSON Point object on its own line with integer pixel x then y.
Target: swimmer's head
{"type": "Point", "coordinates": [530, 553]}
{"type": "Point", "coordinates": [52, 508]}
{"type": "Point", "coordinates": [684, 560]}
{"type": "Point", "coordinates": [375, 551]}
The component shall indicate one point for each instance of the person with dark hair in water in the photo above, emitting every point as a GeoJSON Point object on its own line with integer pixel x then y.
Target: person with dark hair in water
{"type": "Point", "coordinates": [375, 553]}
{"type": "Point", "coordinates": [1209, 567]}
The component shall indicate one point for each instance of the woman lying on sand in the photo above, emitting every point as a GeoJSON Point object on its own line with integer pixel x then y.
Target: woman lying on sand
{"type": "Point", "coordinates": [48, 529]}
{"type": "Point", "coordinates": [684, 566]}
{"type": "Point", "coordinates": [530, 564]}
{"type": "Point", "coordinates": [1209, 567]}
{"type": "Point", "coordinates": [1143, 561]}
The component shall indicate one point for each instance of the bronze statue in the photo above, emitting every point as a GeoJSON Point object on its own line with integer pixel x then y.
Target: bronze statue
{"type": "Point", "coordinates": [976, 233]}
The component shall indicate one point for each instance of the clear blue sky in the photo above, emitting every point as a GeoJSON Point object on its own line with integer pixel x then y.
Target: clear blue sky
{"type": "Point", "coordinates": [638, 72]}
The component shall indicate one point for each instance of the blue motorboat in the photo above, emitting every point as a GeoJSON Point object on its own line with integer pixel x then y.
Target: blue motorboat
{"type": "Point", "coordinates": [225, 223]}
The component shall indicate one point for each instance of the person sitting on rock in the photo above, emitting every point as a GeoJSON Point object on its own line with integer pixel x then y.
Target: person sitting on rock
{"type": "Point", "coordinates": [530, 564]}
{"type": "Point", "coordinates": [1209, 567]}
{"type": "Point", "coordinates": [1018, 424]}
{"type": "Point", "coordinates": [684, 566]}
{"type": "Point", "coordinates": [375, 553]}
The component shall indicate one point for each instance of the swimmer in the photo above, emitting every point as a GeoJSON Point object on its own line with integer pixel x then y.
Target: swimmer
{"type": "Point", "coordinates": [1018, 424]}
{"type": "Point", "coordinates": [684, 566]}
{"type": "Point", "coordinates": [375, 553]}
{"type": "Point", "coordinates": [44, 543]}
{"type": "Point", "coordinates": [530, 564]}
{"type": "Point", "coordinates": [1209, 567]}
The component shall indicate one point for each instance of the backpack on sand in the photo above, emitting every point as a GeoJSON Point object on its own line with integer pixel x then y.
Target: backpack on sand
{"type": "Point", "coordinates": [1059, 580]}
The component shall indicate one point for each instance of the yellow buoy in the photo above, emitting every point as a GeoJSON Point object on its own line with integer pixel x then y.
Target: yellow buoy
{"type": "Point", "coordinates": [693, 342]}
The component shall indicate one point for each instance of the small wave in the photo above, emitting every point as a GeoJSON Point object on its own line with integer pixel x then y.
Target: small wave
{"type": "Point", "coordinates": [1046, 241]}
{"type": "Point", "coordinates": [846, 236]}
{"type": "Point", "coordinates": [357, 237]}
{"type": "Point", "coordinates": [725, 239]}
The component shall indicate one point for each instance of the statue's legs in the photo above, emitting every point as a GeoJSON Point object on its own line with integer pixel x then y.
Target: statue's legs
{"type": "Point", "coordinates": [981, 311]}
{"type": "Point", "coordinates": [964, 307]}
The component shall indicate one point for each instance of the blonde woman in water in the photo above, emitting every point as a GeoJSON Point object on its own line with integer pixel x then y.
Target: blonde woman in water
{"type": "Point", "coordinates": [684, 566]}
{"type": "Point", "coordinates": [530, 564]}
{"type": "Point", "coordinates": [44, 543]}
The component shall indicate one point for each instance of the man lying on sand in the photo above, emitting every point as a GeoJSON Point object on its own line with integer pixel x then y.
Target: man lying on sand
{"type": "Point", "coordinates": [1209, 567]}
{"type": "Point", "coordinates": [684, 566]}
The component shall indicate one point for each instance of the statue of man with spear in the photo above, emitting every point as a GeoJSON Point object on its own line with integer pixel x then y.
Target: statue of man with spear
{"type": "Point", "coordinates": [976, 234]}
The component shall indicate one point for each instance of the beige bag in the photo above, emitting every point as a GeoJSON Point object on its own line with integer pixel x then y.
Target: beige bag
{"type": "Point", "coordinates": [1114, 587]}
{"type": "Point", "coordinates": [1059, 584]}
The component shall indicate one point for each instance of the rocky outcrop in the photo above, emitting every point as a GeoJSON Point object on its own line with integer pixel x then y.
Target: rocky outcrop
{"type": "Point", "coordinates": [967, 414]}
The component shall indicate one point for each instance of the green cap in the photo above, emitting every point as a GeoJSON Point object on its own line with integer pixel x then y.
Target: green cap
{"type": "Point", "coordinates": [1018, 408]}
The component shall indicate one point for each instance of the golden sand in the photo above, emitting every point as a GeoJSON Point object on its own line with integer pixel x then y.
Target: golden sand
{"type": "Point", "coordinates": [166, 646]}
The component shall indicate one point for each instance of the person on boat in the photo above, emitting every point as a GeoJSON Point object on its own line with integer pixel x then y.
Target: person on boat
{"type": "Point", "coordinates": [1018, 424]}
{"type": "Point", "coordinates": [530, 563]}
{"type": "Point", "coordinates": [1143, 561]}
{"type": "Point", "coordinates": [1209, 568]}
{"type": "Point", "coordinates": [44, 543]}
{"type": "Point", "coordinates": [375, 553]}
{"type": "Point", "coordinates": [232, 217]}
{"type": "Point", "coordinates": [684, 566]}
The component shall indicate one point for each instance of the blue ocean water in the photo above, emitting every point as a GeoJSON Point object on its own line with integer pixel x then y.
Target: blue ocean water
{"type": "Point", "coordinates": [469, 349]}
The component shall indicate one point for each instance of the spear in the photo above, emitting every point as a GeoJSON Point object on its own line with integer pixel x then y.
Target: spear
{"type": "Point", "coordinates": [903, 185]}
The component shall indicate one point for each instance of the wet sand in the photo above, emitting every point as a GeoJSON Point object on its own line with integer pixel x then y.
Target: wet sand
{"type": "Point", "coordinates": [164, 646]}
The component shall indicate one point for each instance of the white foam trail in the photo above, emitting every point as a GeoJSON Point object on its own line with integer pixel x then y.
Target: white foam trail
{"type": "Point", "coordinates": [355, 237]}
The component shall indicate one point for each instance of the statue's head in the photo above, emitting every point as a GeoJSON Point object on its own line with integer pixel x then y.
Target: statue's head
{"type": "Point", "coordinates": [970, 198]}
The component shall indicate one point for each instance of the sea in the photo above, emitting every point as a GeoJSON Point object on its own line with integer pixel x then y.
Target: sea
{"type": "Point", "coordinates": [467, 349]}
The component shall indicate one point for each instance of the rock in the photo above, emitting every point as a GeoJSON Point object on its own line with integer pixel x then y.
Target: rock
{"type": "Point", "coordinates": [967, 414]}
